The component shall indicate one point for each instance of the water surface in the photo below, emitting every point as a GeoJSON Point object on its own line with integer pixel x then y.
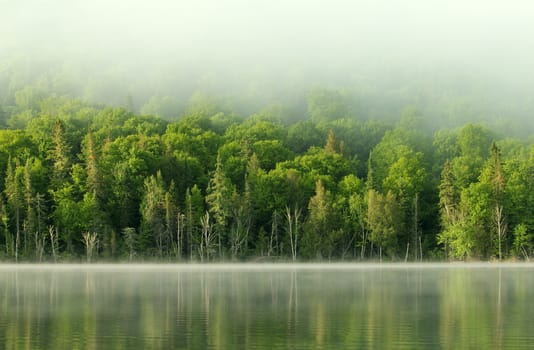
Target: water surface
{"type": "Point", "coordinates": [482, 306]}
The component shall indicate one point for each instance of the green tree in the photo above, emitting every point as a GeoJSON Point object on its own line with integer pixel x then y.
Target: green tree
{"type": "Point", "coordinates": [15, 202]}
{"type": "Point", "coordinates": [194, 211]}
{"type": "Point", "coordinates": [153, 215]}
{"type": "Point", "coordinates": [498, 183]}
{"type": "Point", "coordinates": [59, 155]}
{"type": "Point", "coordinates": [406, 179]}
{"type": "Point", "coordinates": [320, 230]}
{"type": "Point", "coordinates": [522, 245]}
{"type": "Point", "coordinates": [218, 200]}
{"type": "Point", "coordinates": [4, 221]}
{"type": "Point", "coordinates": [351, 204]}
{"type": "Point", "coordinates": [385, 221]}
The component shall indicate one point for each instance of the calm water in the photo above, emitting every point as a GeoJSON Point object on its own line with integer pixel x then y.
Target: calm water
{"type": "Point", "coordinates": [267, 307]}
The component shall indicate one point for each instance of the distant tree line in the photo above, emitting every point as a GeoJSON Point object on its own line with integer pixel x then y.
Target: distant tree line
{"type": "Point", "coordinates": [95, 183]}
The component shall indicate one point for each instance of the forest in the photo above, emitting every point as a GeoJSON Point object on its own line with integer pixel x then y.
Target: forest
{"type": "Point", "coordinates": [268, 131]}
{"type": "Point", "coordinates": [84, 181]}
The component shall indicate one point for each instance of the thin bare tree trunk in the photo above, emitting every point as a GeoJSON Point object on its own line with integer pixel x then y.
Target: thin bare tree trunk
{"type": "Point", "coordinates": [52, 231]}
{"type": "Point", "coordinates": [292, 227]}
{"type": "Point", "coordinates": [501, 227]}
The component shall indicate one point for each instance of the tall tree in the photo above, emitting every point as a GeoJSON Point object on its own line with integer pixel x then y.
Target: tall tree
{"type": "Point", "coordinates": [448, 196]}
{"type": "Point", "coordinates": [406, 180]}
{"type": "Point", "coordinates": [497, 183]}
{"type": "Point", "coordinates": [30, 221]}
{"type": "Point", "coordinates": [153, 215]}
{"type": "Point", "coordinates": [319, 230]}
{"type": "Point", "coordinates": [385, 221]}
{"type": "Point", "coordinates": [92, 168]}
{"type": "Point", "coordinates": [293, 223]}
{"type": "Point", "coordinates": [15, 201]}
{"type": "Point", "coordinates": [4, 220]}
{"type": "Point", "coordinates": [194, 210]}
{"type": "Point", "coordinates": [218, 199]}
{"type": "Point", "coordinates": [59, 155]}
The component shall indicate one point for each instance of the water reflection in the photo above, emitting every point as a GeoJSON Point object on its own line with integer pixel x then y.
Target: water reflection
{"type": "Point", "coordinates": [167, 307]}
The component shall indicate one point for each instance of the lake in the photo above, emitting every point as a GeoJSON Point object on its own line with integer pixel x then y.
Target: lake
{"type": "Point", "coordinates": [332, 306]}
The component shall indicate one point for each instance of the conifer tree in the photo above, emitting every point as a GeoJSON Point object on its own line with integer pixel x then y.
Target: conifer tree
{"type": "Point", "coordinates": [59, 155]}
{"type": "Point", "coordinates": [218, 200]}
{"type": "Point", "coordinates": [14, 201]}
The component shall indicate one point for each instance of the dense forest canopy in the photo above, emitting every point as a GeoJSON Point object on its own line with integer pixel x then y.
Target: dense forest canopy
{"type": "Point", "coordinates": [224, 130]}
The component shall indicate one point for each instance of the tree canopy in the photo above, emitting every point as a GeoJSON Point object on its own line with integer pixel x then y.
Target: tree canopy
{"type": "Point", "coordinates": [96, 182]}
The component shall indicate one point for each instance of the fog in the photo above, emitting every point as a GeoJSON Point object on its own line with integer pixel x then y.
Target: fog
{"type": "Point", "coordinates": [273, 50]}
{"type": "Point", "coordinates": [267, 306]}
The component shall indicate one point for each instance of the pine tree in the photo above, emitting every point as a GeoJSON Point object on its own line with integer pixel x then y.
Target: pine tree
{"type": "Point", "coordinates": [59, 155]}
{"type": "Point", "coordinates": [4, 220]}
{"type": "Point", "coordinates": [332, 145]}
{"type": "Point", "coordinates": [29, 225]}
{"type": "Point", "coordinates": [218, 200]}
{"type": "Point", "coordinates": [14, 202]}
{"type": "Point", "coordinates": [318, 230]}
{"type": "Point", "coordinates": [94, 178]}
{"type": "Point", "coordinates": [498, 184]}
{"type": "Point", "coordinates": [153, 214]}
{"type": "Point", "coordinates": [448, 196]}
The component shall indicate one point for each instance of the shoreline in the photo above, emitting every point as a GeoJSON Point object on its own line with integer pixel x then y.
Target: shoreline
{"type": "Point", "coordinates": [338, 266]}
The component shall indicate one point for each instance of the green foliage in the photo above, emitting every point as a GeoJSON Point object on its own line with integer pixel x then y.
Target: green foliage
{"type": "Point", "coordinates": [406, 176]}
{"type": "Point", "coordinates": [324, 104]}
{"type": "Point", "coordinates": [153, 237]}
{"type": "Point", "coordinates": [522, 246]}
{"type": "Point", "coordinates": [214, 185]}
{"type": "Point", "coordinates": [385, 221]}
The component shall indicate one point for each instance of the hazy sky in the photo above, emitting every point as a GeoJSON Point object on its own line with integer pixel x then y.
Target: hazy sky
{"type": "Point", "coordinates": [301, 30]}
{"type": "Point", "coordinates": [279, 38]}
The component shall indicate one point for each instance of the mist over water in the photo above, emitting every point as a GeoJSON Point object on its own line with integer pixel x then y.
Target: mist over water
{"type": "Point", "coordinates": [266, 50]}
{"type": "Point", "coordinates": [266, 306]}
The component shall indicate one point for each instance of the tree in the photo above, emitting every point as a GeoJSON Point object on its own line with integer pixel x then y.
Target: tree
{"type": "Point", "coordinates": [153, 214]}
{"type": "Point", "coordinates": [30, 221]}
{"type": "Point", "coordinates": [90, 240]}
{"type": "Point", "coordinates": [448, 196]}
{"type": "Point", "coordinates": [522, 241]}
{"type": "Point", "coordinates": [406, 179]}
{"type": "Point", "coordinates": [498, 182]}
{"type": "Point", "coordinates": [92, 168]}
{"type": "Point", "coordinates": [241, 222]}
{"type": "Point", "coordinates": [41, 217]}
{"type": "Point", "coordinates": [332, 145]}
{"type": "Point", "coordinates": [59, 155]}
{"type": "Point", "coordinates": [131, 240]}
{"type": "Point", "coordinates": [218, 200]}
{"type": "Point", "coordinates": [207, 237]}
{"type": "Point", "coordinates": [319, 237]}
{"type": "Point", "coordinates": [473, 142]}
{"type": "Point", "coordinates": [194, 210]}
{"type": "Point", "coordinates": [13, 190]}
{"type": "Point", "coordinates": [303, 135]}
{"type": "Point", "coordinates": [476, 209]}
{"type": "Point", "coordinates": [449, 205]}
{"type": "Point", "coordinates": [494, 175]}
{"type": "Point", "coordinates": [68, 217]}
{"type": "Point", "coordinates": [4, 220]}
{"type": "Point", "coordinates": [385, 220]}
{"type": "Point", "coordinates": [293, 229]}
{"type": "Point", "coordinates": [351, 204]}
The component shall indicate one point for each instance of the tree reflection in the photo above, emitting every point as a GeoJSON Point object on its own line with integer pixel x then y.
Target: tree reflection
{"type": "Point", "coordinates": [216, 308]}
